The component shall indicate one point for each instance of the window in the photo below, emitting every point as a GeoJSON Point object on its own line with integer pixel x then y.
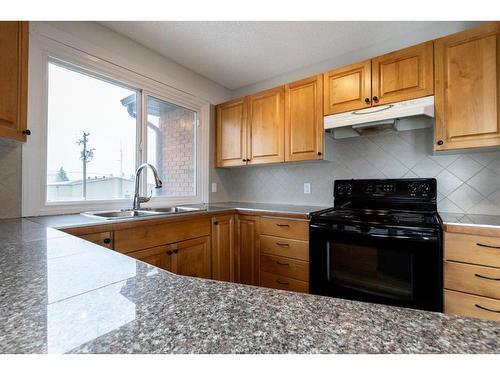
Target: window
{"type": "Point", "coordinates": [91, 138]}
{"type": "Point", "coordinates": [94, 122]}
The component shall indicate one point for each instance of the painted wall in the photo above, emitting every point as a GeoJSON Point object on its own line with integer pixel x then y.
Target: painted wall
{"type": "Point", "coordinates": [467, 183]}
{"type": "Point", "coordinates": [10, 178]}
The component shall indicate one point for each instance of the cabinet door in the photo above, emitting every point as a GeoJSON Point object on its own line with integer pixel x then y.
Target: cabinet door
{"type": "Point", "coordinates": [248, 249]}
{"type": "Point", "coordinates": [192, 258]}
{"type": "Point", "coordinates": [14, 79]}
{"type": "Point", "coordinates": [403, 75]}
{"type": "Point", "coordinates": [304, 119]}
{"type": "Point", "coordinates": [266, 126]}
{"type": "Point", "coordinates": [223, 249]}
{"type": "Point", "coordinates": [102, 238]}
{"type": "Point", "coordinates": [347, 88]}
{"type": "Point", "coordinates": [158, 256]}
{"type": "Point", "coordinates": [467, 89]}
{"type": "Point", "coordinates": [231, 137]}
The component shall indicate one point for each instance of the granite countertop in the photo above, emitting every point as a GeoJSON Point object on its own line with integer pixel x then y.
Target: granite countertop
{"type": "Point", "coordinates": [63, 294]}
{"type": "Point", "coordinates": [77, 220]}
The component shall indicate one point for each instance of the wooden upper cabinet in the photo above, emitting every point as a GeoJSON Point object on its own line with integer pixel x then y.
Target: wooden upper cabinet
{"type": "Point", "coordinates": [231, 133]}
{"type": "Point", "coordinates": [467, 89]}
{"type": "Point", "coordinates": [403, 75]}
{"type": "Point", "coordinates": [347, 88]}
{"type": "Point", "coordinates": [13, 79]}
{"type": "Point", "coordinates": [247, 239]}
{"type": "Point", "coordinates": [265, 127]}
{"type": "Point", "coordinates": [223, 248]}
{"type": "Point", "coordinates": [304, 119]}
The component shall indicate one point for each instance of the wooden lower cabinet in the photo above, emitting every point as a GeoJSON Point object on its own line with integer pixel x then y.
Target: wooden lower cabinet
{"type": "Point", "coordinates": [187, 258]}
{"type": "Point", "coordinates": [465, 304]}
{"type": "Point", "coordinates": [247, 243]}
{"type": "Point", "coordinates": [223, 249]}
{"type": "Point", "coordinates": [101, 238]}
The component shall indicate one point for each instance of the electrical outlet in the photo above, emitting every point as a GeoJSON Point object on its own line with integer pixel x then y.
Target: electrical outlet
{"type": "Point", "coordinates": [307, 188]}
{"type": "Point", "coordinates": [214, 187]}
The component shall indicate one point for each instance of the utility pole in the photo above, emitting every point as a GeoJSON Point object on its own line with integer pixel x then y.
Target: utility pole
{"type": "Point", "coordinates": [86, 156]}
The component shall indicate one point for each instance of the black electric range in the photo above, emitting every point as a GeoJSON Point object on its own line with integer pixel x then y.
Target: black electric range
{"type": "Point", "coordinates": [381, 242]}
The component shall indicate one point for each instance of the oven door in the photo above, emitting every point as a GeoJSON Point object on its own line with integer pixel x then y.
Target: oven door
{"type": "Point", "coordinates": [381, 265]}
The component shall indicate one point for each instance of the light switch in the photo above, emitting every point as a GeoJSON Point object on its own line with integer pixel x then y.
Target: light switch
{"type": "Point", "coordinates": [214, 187]}
{"type": "Point", "coordinates": [307, 188]}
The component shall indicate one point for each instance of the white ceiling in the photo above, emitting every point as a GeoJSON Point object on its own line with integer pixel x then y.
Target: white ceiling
{"type": "Point", "coordinates": [237, 54]}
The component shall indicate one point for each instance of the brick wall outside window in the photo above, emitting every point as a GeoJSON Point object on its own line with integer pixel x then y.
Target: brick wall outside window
{"type": "Point", "coordinates": [177, 127]}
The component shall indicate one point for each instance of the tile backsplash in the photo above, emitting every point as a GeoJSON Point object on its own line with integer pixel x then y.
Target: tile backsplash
{"type": "Point", "coordinates": [467, 182]}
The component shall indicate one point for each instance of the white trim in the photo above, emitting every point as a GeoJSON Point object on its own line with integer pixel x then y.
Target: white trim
{"type": "Point", "coordinates": [34, 151]}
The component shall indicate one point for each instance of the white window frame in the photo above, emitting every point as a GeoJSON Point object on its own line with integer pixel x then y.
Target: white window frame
{"type": "Point", "coordinates": [34, 187]}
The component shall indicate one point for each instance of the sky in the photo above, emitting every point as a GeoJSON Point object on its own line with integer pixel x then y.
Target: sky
{"type": "Point", "coordinates": [78, 103]}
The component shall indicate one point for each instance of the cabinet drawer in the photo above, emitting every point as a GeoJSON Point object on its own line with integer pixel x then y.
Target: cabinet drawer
{"type": "Point", "coordinates": [288, 228]}
{"type": "Point", "coordinates": [284, 247]}
{"type": "Point", "coordinates": [270, 280]}
{"type": "Point", "coordinates": [468, 248]}
{"type": "Point", "coordinates": [102, 238]}
{"type": "Point", "coordinates": [296, 269]}
{"type": "Point", "coordinates": [483, 281]}
{"type": "Point", "coordinates": [469, 305]}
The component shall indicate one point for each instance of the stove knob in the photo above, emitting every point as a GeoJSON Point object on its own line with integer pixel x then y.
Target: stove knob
{"type": "Point", "coordinates": [425, 189]}
{"type": "Point", "coordinates": [348, 189]}
{"type": "Point", "coordinates": [412, 188]}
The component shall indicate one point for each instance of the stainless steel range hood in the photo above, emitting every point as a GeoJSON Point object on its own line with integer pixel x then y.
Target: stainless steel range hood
{"type": "Point", "coordinates": [406, 115]}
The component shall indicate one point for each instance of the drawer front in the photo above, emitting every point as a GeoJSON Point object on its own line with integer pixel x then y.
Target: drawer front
{"type": "Point", "coordinates": [270, 280]}
{"type": "Point", "coordinates": [483, 281]}
{"type": "Point", "coordinates": [102, 238]}
{"type": "Point", "coordinates": [288, 228]}
{"type": "Point", "coordinates": [296, 269]}
{"type": "Point", "coordinates": [468, 248]}
{"type": "Point", "coordinates": [284, 247]}
{"type": "Point", "coordinates": [469, 305]}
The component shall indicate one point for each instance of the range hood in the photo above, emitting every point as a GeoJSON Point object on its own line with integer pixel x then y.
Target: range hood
{"type": "Point", "coordinates": [406, 115]}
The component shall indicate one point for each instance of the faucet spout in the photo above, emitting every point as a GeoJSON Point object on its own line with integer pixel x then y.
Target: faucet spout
{"type": "Point", "coordinates": [158, 184]}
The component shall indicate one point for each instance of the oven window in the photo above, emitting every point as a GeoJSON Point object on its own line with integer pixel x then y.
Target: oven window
{"type": "Point", "coordinates": [379, 271]}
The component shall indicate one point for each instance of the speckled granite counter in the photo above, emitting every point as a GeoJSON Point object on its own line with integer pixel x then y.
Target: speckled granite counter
{"type": "Point", "coordinates": [468, 219]}
{"type": "Point", "coordinates": [59, 293]}
{"type": "Point", "coordinates": [77, 220]}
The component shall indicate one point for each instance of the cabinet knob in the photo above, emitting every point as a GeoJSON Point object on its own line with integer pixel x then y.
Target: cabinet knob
{"type": "Point", "coordinates": [319, 153]}
{"type": "Point", "coordinates": [367, 100]}
{"type": "Point", "coordinates": [176, 251]}
{"type": "Point", "coordinates": [243, 160]}
{"type": "Point", "coordinates": [440, 142]}
{"type": "Point", "coordinates": [248, 159]}
{"type": "Point", "coordinates": [216, 223]}
{"type": "Point", "coordinates": [169, 252]}
{"type": "Point", "coordinates": [107, 240]}
{"type": "Point", "coordinates": [27, 132]}
{"type": "Point", "coordinates": [375, 99]}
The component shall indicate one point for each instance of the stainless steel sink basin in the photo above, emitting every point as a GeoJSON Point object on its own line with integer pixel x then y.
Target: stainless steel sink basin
{"type": "Point", "coordinates": [119, 214]}
{"type": "Point", "coordinates": [144, 212]}
{"type": "Point", "coordinates": [174, 210]}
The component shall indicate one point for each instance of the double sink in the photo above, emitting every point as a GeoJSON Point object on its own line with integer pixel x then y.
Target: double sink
{"type": "Point", "coordinates": [143, 212]}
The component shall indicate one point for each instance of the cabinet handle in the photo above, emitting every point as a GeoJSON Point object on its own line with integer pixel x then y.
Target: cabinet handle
{"type": "Point", "coordinates": [486, 277]}
{"type": "Point", "coordinates": [283, 225]}
{"type": "Point", "coordinates": [489, 246]}
{"type": "Point", "coordinates": [169, 252]}
{"type": "Point", "coordinates": [367, 100]}
{"type": "Point", "coordinates": [282, 282]}
{"type": "Point", "coordinates": [27, 132]}
{"type": "Point", "coordinates": [107, 240]}
{"type": "Point", "coordinates": [282, 264]}
{"type": "Point", "coordinates": [485, 308]}
{"type": "Point", "coordinates": [375, 99]}
{"type": "Point", "coordinates": [282, 244]}
{"type": "Point", "coordinates": [440, 142]}
{"type": "Point", "coordinates": [176, 251]}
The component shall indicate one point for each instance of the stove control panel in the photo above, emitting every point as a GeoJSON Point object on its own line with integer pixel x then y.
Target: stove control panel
{"type": "Point", "coordinates": [421, 188]}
